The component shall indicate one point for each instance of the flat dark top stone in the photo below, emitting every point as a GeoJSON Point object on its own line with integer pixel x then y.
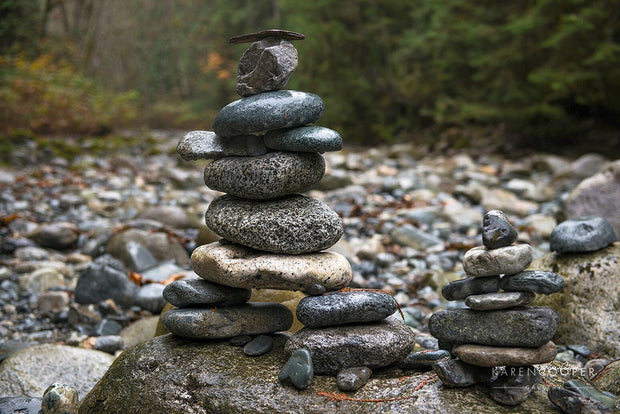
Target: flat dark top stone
{"type": "Point", "coordinates": [253, 37]}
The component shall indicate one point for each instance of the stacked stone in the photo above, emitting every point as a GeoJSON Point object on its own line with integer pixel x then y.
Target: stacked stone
{"type": "Point", "coordinates": [264, 154]}
{"type": "Point", "coordinates": [498, 330]}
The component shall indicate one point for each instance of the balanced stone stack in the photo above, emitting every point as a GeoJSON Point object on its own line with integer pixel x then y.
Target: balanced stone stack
{"type": "Point", "coordinates": [498, 330]}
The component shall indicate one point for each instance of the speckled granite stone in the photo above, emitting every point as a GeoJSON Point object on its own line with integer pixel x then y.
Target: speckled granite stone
{"type": "Point", "coordinates": [268, 176]}
{"type": "Point", "coordinates": [292, 224]}
{"type": "Point", "coordinates": [504, 260]}
{"type": "Point", "coordinates": [267, 111]}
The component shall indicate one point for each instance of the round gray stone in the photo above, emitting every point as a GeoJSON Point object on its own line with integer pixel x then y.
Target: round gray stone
{"type": "Point", "coordinates": [497, 230]}
{"type": "Point", "coordinates": [537, 281]}
{"type": "Point", "coordinates": [460, 289]}
{"type": "Point", "coordinates": [352, 379]}
{"type": "Point", "coordinates": [226, 322]}
{"type": "Point", "coordinates": [500, 300]}
{"type": "Point", "coordinates": [200, 292]}
{"type": "Point", "coordinates": [309, 138]}
{"type": "Point", "coordinates": [267, 111]}
{"type": "Point", "coordinates": [268, 176]}
{"type": "Point", "coordinates": [240, 266]}
{"type": "Point", "coordinates": [292, 224]}
{"type": "Point", "coordinates": [496, 356]}
{"type": "Point", "coordinates": [373, 345]}
{"type": "Point", "coordinates": [206, 145]}
{"type": "Point", "coordinates": [528, 327]}
{"type": "Point", "coordinates": [583, 234]}
{"type": "Point", "coordinates": [266, 65]}
{"type": "Point", "coordinates": [504, 260]}
{"type": "Point", "coordinates": [341, 308]}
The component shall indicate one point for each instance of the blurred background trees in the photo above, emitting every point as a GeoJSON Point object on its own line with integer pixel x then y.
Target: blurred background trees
{"type": "Point", "coordinates": [536, 69]}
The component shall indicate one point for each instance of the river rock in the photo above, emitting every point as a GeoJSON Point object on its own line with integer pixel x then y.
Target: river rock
{"type": "Point", "coordinates": [352, 379]}
{"type": "Point", "coordinates": [529, 327]}
{"type": "Point", "coordinates": [265, 66]}
{"type": "Point", "coordinates": [497, 230]}
{"type": "Point", "coordinates": [240, 266]}
{"type": "Point", "coordinates": [105, 278]}
{"type": "Point", "coordinates": [372, 345]}
{"type": "Point", "coordinates": [258, 346]}
{"type": "Point", "coordinates": [206, 145]}
{"type": "Point", "coordinates": [341, 308]}
{"type": "Point", "coordinates": [158, 373]}
{"type": "Point", "coordinates": [150, 297]}
{"type": "Point", "coordinates": [455, 373]}
{"type": "Point", "coordinates": [424, 359]}
{"type": "Point", "coordinates": [59, 236]}
{"type": "Point", "coordinates": [537, 281]}
{"type": "Point", "coordinates": [309, 138]}
{"type": "Point", "coordinates": [267, 176]}
{"type": "Point", "coordinates": [267, 111]}
{"type": "Point", "coordinates": [226, 322]}
{"type": "Point", "coordinates": [29, 371]}
{"type": "Point", "coordinates": [500, 300]}
{"type": "Point", "coordinates": [514, 384]}
{"type": "Point", "coordinates": [60, 399]}
{"type": "Point", "coordinates": [571, 402]}
{"type": "Point", "coordinates": [460, 289]}
{"type": "Point", "coordinates": [582, 234]}
{"type": "Point", "coordinates": [292, 224]}
{"type": "Point", "coordinates": [161, 246]}
{"type": "Point", "coordinates": [298, 369]}
{"type": "Point", "coordinates": [504, 260]}
{"type": "Point", "coordinates": [495, 356]}
{"type": "Point", "coordinates": [199, 292]}
{"type": "Point", "coordinates": [589, 309]}
{"type": "Point", "coordinates": [608, 379]}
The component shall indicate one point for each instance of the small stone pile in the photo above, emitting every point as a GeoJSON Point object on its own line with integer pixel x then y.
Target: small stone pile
{"type": "Point", "coordinates": [497, 330]}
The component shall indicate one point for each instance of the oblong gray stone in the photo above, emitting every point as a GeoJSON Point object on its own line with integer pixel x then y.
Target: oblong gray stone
{"type": "Point", "coordinates": [496, 356]}
{"type": "Point", "coordinates": [200, 292]}
{"type": "Point", "coordinates": [371, 345]}
{"type": "Point", "coordinates": [308, 138]}
{"type": "Point", "coordinates": [504, 260]}
{"type": "Point", "coordinates": [537, 281]}
{"type": "Point", "coordinates": [460, 289]}
{"type": "Point", "coordinates": [455, 373]}
{"type": "Point", "coordinates": [226, 322]}
{"type": "Point", "coordinates": [424, 359]}
{"type": "Point", "coordinates": [582, 234]}
{"type": "Point", "coordinates": [528, 327]}
{"type": "Point", "coordinates": [268, 176]}
{"type": "Point", "coordinates": [240, 266]}
{"type": "Point", "coordinates": [267, 111]}
{"type": "Point", "coordinates": [291, 224]}
{"type": "Point", "coordinates": [206, 145]}
{"type": "Point", "coordinates": [500, 300]}
{"type": "Point", "coordinates": [341, 308]}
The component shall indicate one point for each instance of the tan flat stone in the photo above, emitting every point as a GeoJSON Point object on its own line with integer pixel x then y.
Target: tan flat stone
{"type": "Point", "coordinates": [239, 266]}
{"type": "Point", "coordinates": [495, 356]}
{"type": "Point", "coordinates": [504, 260]}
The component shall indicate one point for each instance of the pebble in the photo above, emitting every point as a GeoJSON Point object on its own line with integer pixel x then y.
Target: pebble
{"type": "Point", "coordinates": [463, 288]}
{"type": "Point", "coordinates": [102, 279]}
{"type": "Point", "coordinates": [226, 322]}
{"type": "Point", "coordinates": [107, 326]}
{"type": "Point", "coordinates": [504, 260]}
{"type": "Point", "coordinates": [240, 340]}
{"type": "Point", "coordinates": [590, 393]}
{"type": "Point", "coordinates": [149, 297]}
{"type": "Point", "coordinates": [31, 253]}
{"type": "Point", "coordinates": [500, 300]}
{"type": "Point", "coordinates": [53, 302]}
{"type": "Point", "coordinates": [60, 236]}
{"type": "Point", "coordinates": [341, 308]}
{"type": "Point", "coordinates": [571, 402]}
{"type": "Point", "coordinates": [267, 176]}
{"type": "Point", "coordinates": [309, 138]}
{"type": "Point", "coordinates": [20, 405]}
{"type": "Point", "coordinates": [267, 111]}
{"type": "Point", "coordinates": [137, 258]}
{"type": "Point", "coordinates": [206, 145]}
{"type": "Point", "coordinates": [352, 379]}
{"type": "Point", "coordinates": [408, 235]}
{"type": "Point", "coordinates": [536, 281]}
{"type": "Point", "coordinates": [424, 359]}
{"type": "Point", "coordinates": [199, 292]}
{"type": "Point", "coordinates": [608, 379]}
{"type": "Point", "coordinates": [242, 267]}
{"type": "Point", "coordinates": [108, 343]}
{"type": "Point", "coordinates": [594, 366]}
{"type": "Point", "coordinates": [497, 230]}
{"type": "Point", "coordinates": [373, 345]}
{"type": "Point", "coordinates": [455, 373]}
{"type": "Point", "coordinates": [260, 345]}
{"type": "Point", "coordinates": [298, 369]}
{"type": "Point", "coordinates": [60, 399]}
{"type": "Point", "coordinates": [267, 65]}
{"type": "Point", "coordinates": [529, 327]}
{"type": "Point", "coordinates": [514, 384]}
{"type": "Point", "coordinates": [292, 224]}
{"type": "Point", "coordinates": [582, 234]}
{"type": "Point", "coordinates": [582, 350]}
{"type": "Point", "coordinates": [494, 356]}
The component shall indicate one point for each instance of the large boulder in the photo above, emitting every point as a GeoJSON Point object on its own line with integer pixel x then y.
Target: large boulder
{"type": "Point", "coordinates": [175, 375]}
{"type": "Point", "coordinates": [589, 304]}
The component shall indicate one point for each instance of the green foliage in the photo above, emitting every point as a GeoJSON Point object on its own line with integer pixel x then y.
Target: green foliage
{"type": "Point", "coordinates": [19, 25]}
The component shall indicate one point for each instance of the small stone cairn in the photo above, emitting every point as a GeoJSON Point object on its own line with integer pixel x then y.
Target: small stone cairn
{"type": "Point", "coordinates": [497, 330]}
{"type": "Point", "coordinates": [264, 153]}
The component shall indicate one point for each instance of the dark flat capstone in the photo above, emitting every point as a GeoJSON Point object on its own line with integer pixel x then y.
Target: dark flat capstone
{"type": "Point", "coordinates": [258, 346]}
{"type": "Point", "coordinates": [253, 37]}
{"type": "Point", "coordinates": [310, 138]}
{"type": "Point", "coordinates": [200, 292]}
{"type": "Point", "coordinates": [424, 359]}
{"type": "Point", "coordinates": [460, 289]}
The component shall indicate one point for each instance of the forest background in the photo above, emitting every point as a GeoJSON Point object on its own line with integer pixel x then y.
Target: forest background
{"type": "Point", "coordinates": [542, 74]}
